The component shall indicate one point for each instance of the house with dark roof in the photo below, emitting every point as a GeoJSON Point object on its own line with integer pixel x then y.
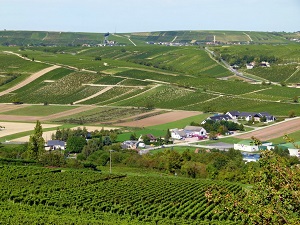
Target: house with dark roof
{"type": "Point", "coordinates": [218, 117]}
{"type": "Point", "coordinates": [248, 116]}
{"type": "Point", "coordinates": [55, 144]}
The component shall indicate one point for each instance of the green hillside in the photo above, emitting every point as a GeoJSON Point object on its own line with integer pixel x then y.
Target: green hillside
{"type": "Point", "coordinates": [50, 38]}
{"type": "Point", "coordinates": [168, 77]}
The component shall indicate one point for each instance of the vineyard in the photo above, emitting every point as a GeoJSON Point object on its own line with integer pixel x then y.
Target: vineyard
{"type": "Point", "coordinates": [92, 196]}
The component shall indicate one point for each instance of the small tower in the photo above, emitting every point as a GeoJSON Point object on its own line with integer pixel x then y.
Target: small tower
{"type": "Point", "coordinates": [105, 38]}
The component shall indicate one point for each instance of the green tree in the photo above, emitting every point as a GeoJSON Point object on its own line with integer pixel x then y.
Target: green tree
{"type": "Point", "coordinates": [92, 146]}
{"type": "Point", "coordinates": [212, 135]}
{"type": "Point", "coordinates": [75, 144]}
{"type": "Point", "coordinates": [36, 144]}
{"type": "Point", "coordinates": [167, 136]}
{"type": "Point", "coordinates": [291, 114]}
{"type": "Point", "coordinates": [106, 141]}
{"type": "Point", "coordinates": [295, 99]}
{"type": "Point", "coordinates": [273, 199]}
{"type": "Point", "coordinates": [146, 139]}
{"type": "Point", "coordinates": [133, 137]}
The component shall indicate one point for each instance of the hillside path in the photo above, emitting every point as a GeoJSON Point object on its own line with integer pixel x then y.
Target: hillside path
{"type": "Point", "coordinates": [29, 79]}
{"type": "Point", "coordinates": [94, 95]}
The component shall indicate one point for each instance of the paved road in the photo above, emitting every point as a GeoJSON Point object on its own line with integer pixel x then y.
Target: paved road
{"type": "Point", "coordinates": [230, 68]}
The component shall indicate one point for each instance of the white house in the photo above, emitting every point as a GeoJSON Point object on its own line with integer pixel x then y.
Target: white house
{"type": "Point", "coordinates": [177, 134]}
{"type": "Point", "coordinates": [192, 131]}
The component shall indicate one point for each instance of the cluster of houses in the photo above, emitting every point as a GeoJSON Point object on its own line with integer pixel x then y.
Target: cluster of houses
{"type": "Point", "coordinates": [234, 116]}
{"type": "Point", "coordinates": [251, 65]}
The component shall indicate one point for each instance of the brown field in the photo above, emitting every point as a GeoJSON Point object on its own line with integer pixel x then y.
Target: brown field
{"type": "Point", "coordinates": [13, 128]}
{"type": "Point", "coordinates": [274, 131]}
{"type": "Point", "coordinates": [47, 135]}
{"type": "Point", "coordinates": [8, 107]}
{"type": "Point", "coordinates": [160, 119]}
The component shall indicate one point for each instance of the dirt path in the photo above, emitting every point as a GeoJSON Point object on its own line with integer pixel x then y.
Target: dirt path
{"type": "Point", "coordinates": [94, 95]}
{"type": "Point", "coordinates": [160, 119]}
{"type": "Point", "coordinates": [29, 80]}
{"type": "Point", "coordinates": [274, 131]}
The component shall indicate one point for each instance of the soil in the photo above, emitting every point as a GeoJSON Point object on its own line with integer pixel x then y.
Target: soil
{"type": "Point", "coordinates": [160, 119]}
{"type": "Point", "coordinates": [274, 131]}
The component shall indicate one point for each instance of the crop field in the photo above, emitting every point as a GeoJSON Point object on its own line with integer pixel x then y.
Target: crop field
{"type": "Point", "coordinates": [207, 36]}
{"type": "Point", "coordinates": [167, 77]}
{"type": "Point", "coordinates": [60, 91]}
{"type": "Point", "coordinates": [108, 80]}
{"type": "Point", "coordinates": [100, 115]}
{"type": "Point", "coordinates": [166, 97]}
{"type": "Point", "coordinates": [144, 199]}
{"type": "Point", "coordinates": [38, 110]}
{"type": "Point", "coordinates": [13, 64]}
{"type": "Point", "coordinates": [160, 118]}
{"type": "Point", "coordinates": [275, 73]}
{"type": "Point", "coordinates": [224, 104]}
{"type": "Point", "coordinates": [114, 92]}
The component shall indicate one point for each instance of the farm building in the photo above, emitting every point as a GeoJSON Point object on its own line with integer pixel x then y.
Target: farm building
{"type": "Point", "coordinates": [293, 150]}
{"type": "Point", "coordinates": [249, 146]}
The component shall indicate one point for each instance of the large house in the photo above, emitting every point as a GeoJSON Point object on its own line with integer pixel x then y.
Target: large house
{"type": "Point", "coordinates": [188, 131]}
{"type": "Point", "coordinates": [218, 117]}
{"type": "Point", "coordinates": [194, 131]}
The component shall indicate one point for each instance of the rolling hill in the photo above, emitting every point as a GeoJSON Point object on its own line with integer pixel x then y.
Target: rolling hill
{"type": "Point", "coordinates": [169, 77]}
{"type": "Point", "coordinates": [51, 38]}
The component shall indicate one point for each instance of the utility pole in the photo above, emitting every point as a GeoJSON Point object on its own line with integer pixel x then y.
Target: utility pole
{"type": "Point", "coordinates": [110, 160]}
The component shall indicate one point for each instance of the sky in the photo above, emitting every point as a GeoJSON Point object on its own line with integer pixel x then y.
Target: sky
{"type": "Point", "coordinates": [122, 16]}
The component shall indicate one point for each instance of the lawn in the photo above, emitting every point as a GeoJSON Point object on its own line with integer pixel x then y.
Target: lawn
{"type": "Point", "coordinates": [177, 149]}
{"type": "Point", "coordinates": [161, 130]}
{"type": "Point", "coordinates": [295, 136]}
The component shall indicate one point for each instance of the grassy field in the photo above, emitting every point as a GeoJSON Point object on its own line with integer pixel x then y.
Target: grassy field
{"type": "Point", "coordinates": [295, 136]}
{"type": "Point", "coordinates": [100, 115]}
{"type": "Point", "coordinates": [161, 130]}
